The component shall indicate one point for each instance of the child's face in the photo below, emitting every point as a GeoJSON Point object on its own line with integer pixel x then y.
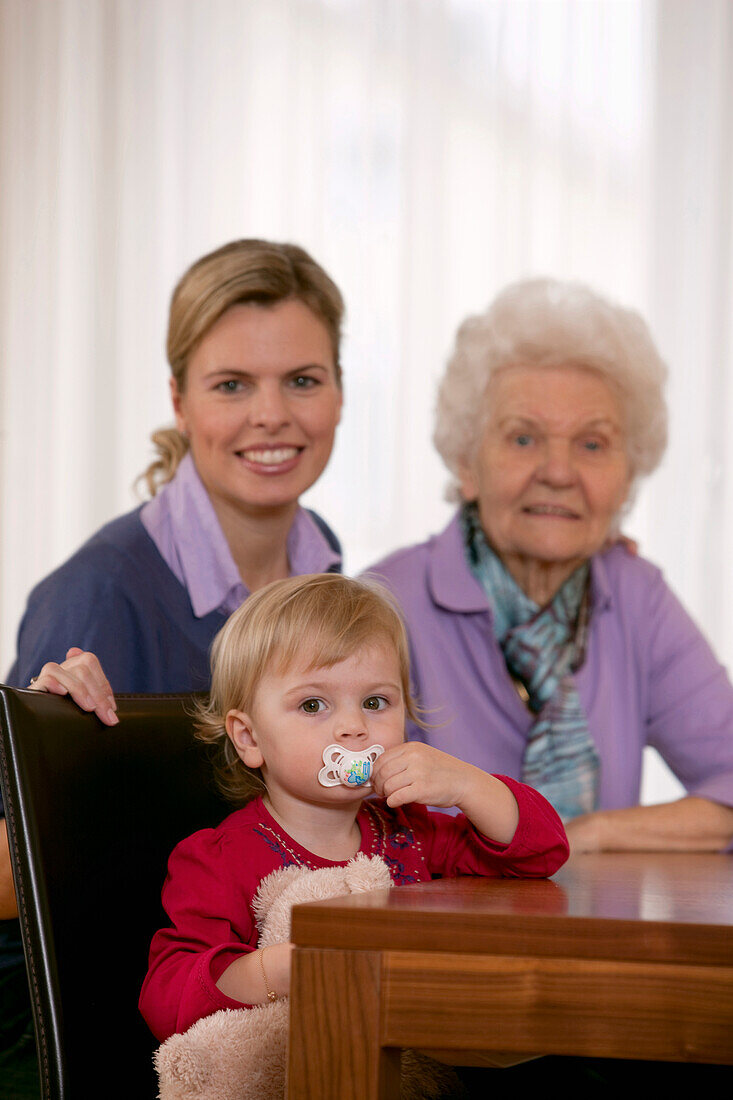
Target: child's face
{"type": "Point", "coordinates": [296, 714]}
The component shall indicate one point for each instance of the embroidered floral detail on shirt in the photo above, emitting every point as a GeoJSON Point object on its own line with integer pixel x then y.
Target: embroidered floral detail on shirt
{"type": "Point", "coordinates": [276, 845]}
{"type": "Point", "coordinates": [397, 846]}
{"type": "Point", "coordinates": [400, 876]}
{"type": "Point", "coordinates": [402, 839]}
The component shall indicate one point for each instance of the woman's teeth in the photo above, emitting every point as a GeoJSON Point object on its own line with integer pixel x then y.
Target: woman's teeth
{"type": "Point", "coordinates": [550, 510]}
{"type": "Point", "coordinates": [271, 458]}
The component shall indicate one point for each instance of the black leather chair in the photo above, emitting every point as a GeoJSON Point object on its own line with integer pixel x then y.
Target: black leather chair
{"type": "Point", "coordinates": [93, 813]}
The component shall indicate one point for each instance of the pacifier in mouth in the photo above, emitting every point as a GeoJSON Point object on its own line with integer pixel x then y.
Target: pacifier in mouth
{"type": "Point", "coordinates": [346, 768]}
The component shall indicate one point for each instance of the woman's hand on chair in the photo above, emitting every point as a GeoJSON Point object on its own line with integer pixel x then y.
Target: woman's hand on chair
{"type": "Point", "coordinates": [80, 676]}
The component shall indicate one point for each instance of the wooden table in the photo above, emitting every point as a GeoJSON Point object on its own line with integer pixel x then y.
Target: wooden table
{"type": "Point", "coordinates": [619, 955]}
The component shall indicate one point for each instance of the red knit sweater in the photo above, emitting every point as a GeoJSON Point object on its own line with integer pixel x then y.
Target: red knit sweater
{"type": "Point", "coordinates": [214, 875]}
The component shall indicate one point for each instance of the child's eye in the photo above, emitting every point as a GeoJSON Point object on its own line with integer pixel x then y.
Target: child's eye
{"type": "Point", "coordinates": [312, 706]}
{"type": "Point", "coordinates": [375, 702]}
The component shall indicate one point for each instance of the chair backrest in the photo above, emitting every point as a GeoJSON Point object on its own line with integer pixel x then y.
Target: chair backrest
{"type": "Point", "coordinates": [93, 813]}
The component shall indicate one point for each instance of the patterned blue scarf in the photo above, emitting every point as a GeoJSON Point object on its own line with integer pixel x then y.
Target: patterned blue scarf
{"type": "Point", "coordinates": [542, 647]}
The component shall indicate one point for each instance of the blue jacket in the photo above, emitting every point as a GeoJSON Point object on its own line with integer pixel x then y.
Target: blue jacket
{"type": "Point", "coordinates": [117, 597]}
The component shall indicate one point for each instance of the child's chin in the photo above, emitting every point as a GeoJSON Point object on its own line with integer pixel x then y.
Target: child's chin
{"type": "Point", "coordinates": [351, 794]}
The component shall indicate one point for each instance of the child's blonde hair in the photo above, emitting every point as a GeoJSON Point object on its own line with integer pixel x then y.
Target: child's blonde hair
{"type": "Point", "coordinates": [322, 618]}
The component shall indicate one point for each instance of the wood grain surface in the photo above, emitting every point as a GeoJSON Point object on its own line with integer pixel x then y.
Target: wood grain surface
{"type": "Point", "coordinates": [339, 1054]}
{"type": "Point", "coordinates": [621, 956]}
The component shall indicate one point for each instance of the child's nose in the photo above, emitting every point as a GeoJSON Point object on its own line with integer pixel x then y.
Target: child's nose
{"type": "Point", "coordinates": [352, 728]}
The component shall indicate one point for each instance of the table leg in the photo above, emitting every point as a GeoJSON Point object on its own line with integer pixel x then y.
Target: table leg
{"type": "Point", "coordinates": [335, 1050]}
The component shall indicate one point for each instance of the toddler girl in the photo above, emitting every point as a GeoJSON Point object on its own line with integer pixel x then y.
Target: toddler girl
{"type": "Point", "coordinates": [310, 689]}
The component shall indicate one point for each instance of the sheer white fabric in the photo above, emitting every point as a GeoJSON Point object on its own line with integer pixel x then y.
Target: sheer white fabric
{"type": "Point", "coordinates": [427, 152]}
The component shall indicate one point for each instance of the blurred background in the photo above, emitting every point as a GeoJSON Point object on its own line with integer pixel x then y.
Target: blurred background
{"type": "Point", "coordinates": [427, 152]}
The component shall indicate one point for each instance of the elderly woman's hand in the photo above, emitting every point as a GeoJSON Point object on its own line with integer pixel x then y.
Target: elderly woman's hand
{"type": "Point", "coordinates": [689, 824]}
{"type": "Point", "coordinates": [631, 546]}
{"type": "Point", "coordinates": [584, 833]}
{"type": "Point", "coordinates": [81, 677]}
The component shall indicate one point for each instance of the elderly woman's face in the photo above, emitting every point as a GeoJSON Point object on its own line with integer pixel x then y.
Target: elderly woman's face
{"type": "Point", "coordinates": [551, 471]}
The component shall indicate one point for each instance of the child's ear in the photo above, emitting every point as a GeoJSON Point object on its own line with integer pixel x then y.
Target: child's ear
{"type": "Point", "coordinates": [240, 733]}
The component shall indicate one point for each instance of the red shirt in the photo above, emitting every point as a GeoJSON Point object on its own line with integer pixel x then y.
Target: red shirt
{"type": "Point", "coordinates": [214, 875]}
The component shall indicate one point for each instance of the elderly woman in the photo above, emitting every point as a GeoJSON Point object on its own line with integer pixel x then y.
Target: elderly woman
{"type": "Point", "coordinates": [540, 649]}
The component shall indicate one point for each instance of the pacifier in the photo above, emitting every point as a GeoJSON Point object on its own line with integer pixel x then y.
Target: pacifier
{"type": "Point", "coordinates": [351, 769]}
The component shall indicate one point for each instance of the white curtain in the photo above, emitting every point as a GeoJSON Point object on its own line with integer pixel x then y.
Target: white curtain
{"type": "Point", "coordinates": [427, 152]}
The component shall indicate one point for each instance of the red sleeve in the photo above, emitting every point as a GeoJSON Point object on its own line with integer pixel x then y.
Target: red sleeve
{"type": "Point", "coordinates": [200, 895]}
{"type": "Point", "coordinates": [538, 848]}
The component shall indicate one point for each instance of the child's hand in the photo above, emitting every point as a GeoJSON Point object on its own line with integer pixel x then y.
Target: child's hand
{"type": "Point", "coordinates": [414, 772]}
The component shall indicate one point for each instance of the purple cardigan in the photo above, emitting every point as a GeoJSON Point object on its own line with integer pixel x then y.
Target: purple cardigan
{"type": "Point", "coordinates": [649, 677]}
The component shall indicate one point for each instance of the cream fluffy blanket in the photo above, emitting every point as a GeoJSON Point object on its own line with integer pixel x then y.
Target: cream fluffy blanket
{"type": "Point", "coordinates": [241, 1054]}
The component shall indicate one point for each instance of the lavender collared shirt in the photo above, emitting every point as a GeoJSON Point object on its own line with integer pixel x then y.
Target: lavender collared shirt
{"type": "Point", "coordinates": [182, 523]}
{"type": "Point", "coordinates": [649, 677]}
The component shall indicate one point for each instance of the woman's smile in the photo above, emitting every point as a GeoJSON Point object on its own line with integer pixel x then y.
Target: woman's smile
{"type": "Point", "coordinates": [270, 461]}
{"type": "Point", "coordinates": [551, 511]}
{"type": "Point", "coordinates": [260, 407]}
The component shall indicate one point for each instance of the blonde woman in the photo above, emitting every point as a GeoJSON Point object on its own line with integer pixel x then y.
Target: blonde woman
{"type": "Point", "coordinates": [253, 346]}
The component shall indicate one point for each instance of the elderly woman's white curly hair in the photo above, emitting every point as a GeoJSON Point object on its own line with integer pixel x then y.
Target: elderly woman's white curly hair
{"type": "Point", "coordinates": [547, 323]}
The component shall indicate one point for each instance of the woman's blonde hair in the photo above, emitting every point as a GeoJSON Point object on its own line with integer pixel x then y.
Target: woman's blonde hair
{"type": "Point", "coordinates": [321, 618]}
{"type": "Point", "coordinates": [548, 323]}
{"type": "Point", "coordinates": [241, 272]}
